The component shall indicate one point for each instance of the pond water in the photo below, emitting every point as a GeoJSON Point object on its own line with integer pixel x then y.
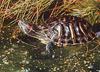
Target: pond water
{"type": "Point", "coordinates": [29, 56]}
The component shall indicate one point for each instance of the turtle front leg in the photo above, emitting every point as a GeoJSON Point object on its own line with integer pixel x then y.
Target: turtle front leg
{"type": "Point", "coordinates": [51, 43]}
{"type": "Point", "coordinates": [49, 47]}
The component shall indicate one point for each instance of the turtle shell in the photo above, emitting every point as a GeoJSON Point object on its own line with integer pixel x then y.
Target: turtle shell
{"type": "Point", "coordinates": [70, 30]}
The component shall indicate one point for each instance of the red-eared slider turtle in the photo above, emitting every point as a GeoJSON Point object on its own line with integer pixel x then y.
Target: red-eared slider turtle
{"type": "Point", "coordinates": [63, 31]}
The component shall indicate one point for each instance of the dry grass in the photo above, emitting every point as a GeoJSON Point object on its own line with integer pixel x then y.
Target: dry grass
{"type": "Point", "coordinates": [32, 10]}
{"type": "Point", "coordinates": [28, 9]}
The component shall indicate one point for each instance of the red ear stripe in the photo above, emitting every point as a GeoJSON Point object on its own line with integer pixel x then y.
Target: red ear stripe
{"type": "Point", "coordinates": [29, 26]}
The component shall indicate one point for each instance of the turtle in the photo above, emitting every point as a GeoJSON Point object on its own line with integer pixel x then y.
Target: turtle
{"type": "Point", "coordinates": [60, 31]}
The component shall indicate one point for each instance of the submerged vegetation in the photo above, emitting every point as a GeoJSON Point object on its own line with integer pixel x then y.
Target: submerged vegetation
{"type": "Point", "coordinates": [16, 56]}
